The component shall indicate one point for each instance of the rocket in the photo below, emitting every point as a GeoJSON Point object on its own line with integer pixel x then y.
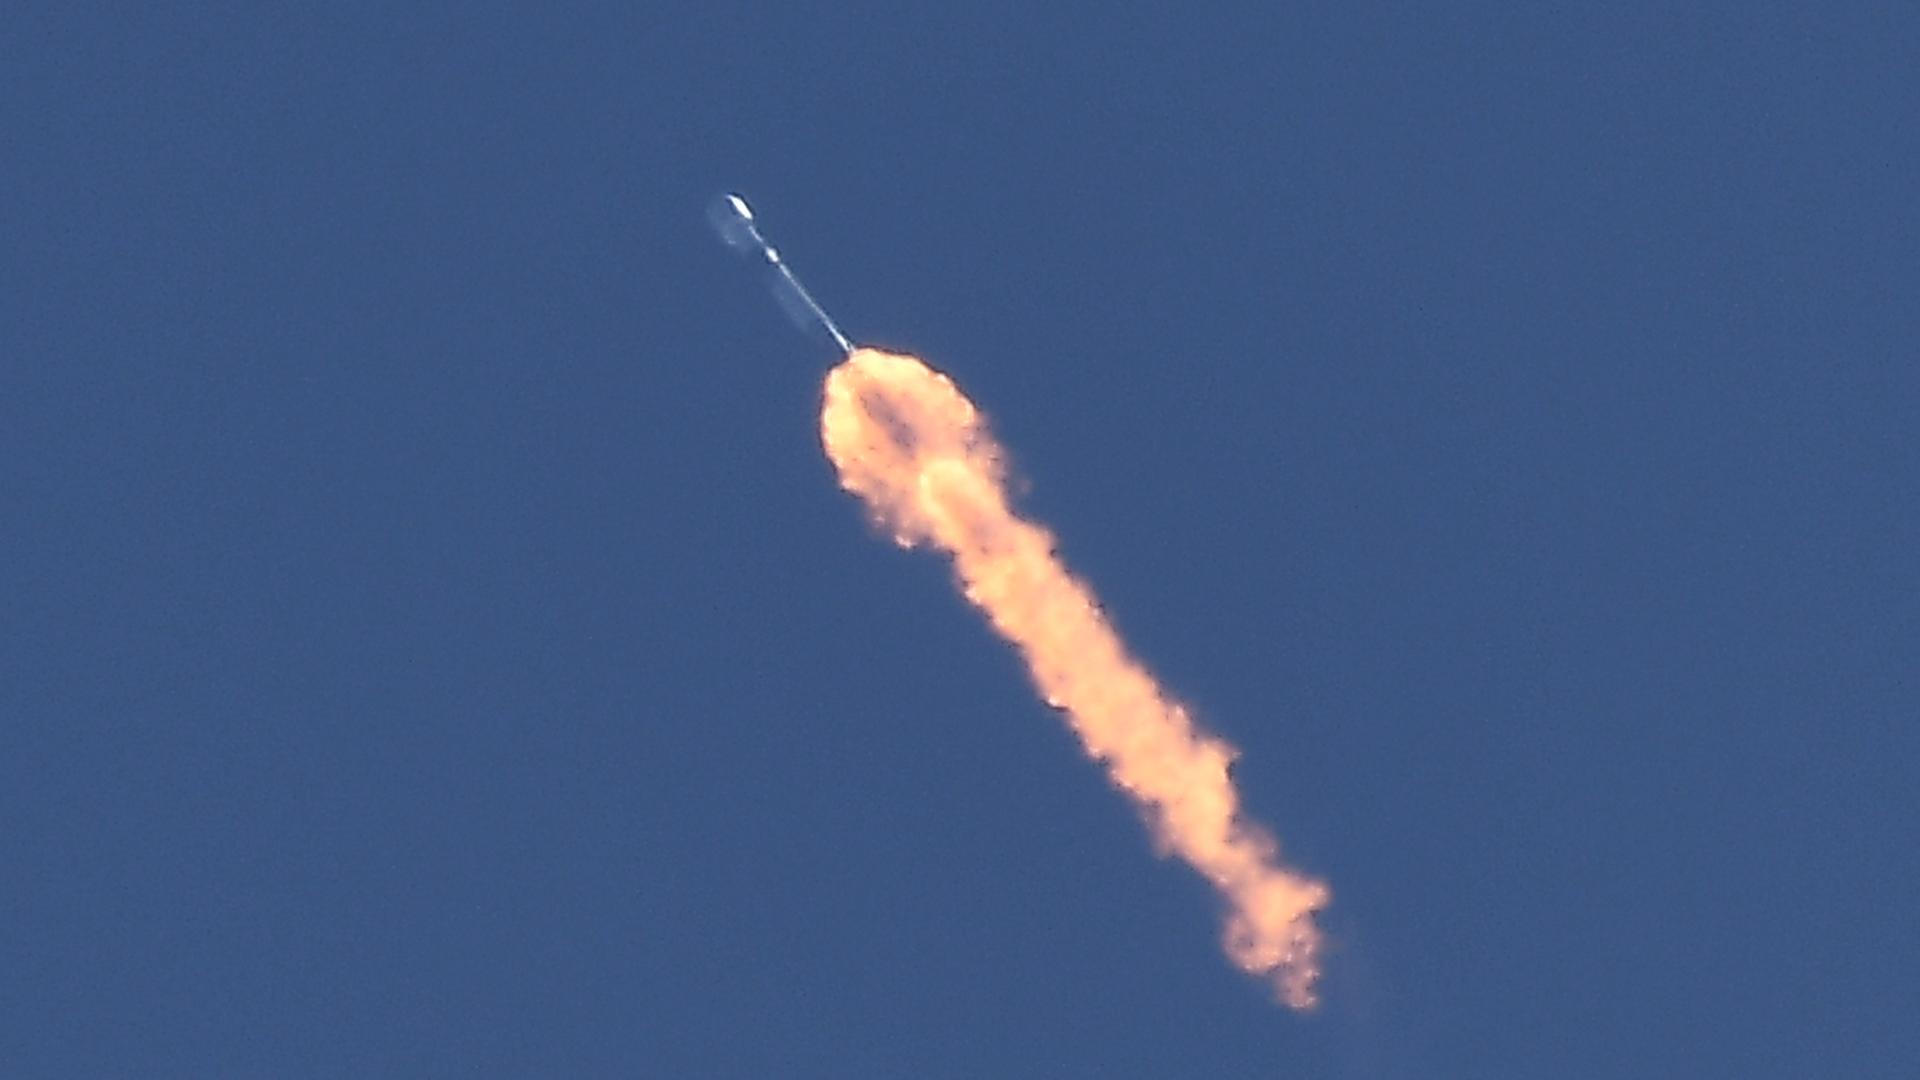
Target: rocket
{"type": "Point", "coordinates": [732, 219]}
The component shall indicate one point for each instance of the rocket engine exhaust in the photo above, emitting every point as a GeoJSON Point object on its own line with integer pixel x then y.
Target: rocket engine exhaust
{"type": "Point", "coordinates": [917, 452]}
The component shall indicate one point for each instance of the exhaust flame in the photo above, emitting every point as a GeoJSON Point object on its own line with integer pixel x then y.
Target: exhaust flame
{"type": "Point", "coordinates": [910, 444]}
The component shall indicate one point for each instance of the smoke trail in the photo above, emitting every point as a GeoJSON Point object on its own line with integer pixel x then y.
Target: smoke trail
{"type": "Point", "coordinates": [910, 444]}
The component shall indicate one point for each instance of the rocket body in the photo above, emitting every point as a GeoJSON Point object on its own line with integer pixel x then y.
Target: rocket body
{"type": "Point", "coordinates": [733, 220]}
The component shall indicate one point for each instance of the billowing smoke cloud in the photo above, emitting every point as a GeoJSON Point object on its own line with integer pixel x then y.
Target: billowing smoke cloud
{"type": "Point", "coordinates": [910, 444]}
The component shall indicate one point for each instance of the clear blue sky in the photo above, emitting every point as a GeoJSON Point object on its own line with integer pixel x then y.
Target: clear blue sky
{"type": "Point", "coordinates": [433, 644]}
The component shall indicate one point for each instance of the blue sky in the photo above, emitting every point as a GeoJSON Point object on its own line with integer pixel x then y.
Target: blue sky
{"type": "Point", "coordinates": [434, 643]}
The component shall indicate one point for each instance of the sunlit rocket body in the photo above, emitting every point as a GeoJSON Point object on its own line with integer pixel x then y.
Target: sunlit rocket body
{"type": "Point", "coordinates": [733, 220]}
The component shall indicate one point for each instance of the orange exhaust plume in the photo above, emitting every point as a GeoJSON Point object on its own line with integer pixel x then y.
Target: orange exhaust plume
{"type": "Point", "coordinates": [910, 444]}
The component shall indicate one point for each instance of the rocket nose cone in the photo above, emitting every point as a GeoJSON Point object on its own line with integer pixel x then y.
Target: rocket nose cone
{"type": "Point", "coordinates": [733, 221]}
